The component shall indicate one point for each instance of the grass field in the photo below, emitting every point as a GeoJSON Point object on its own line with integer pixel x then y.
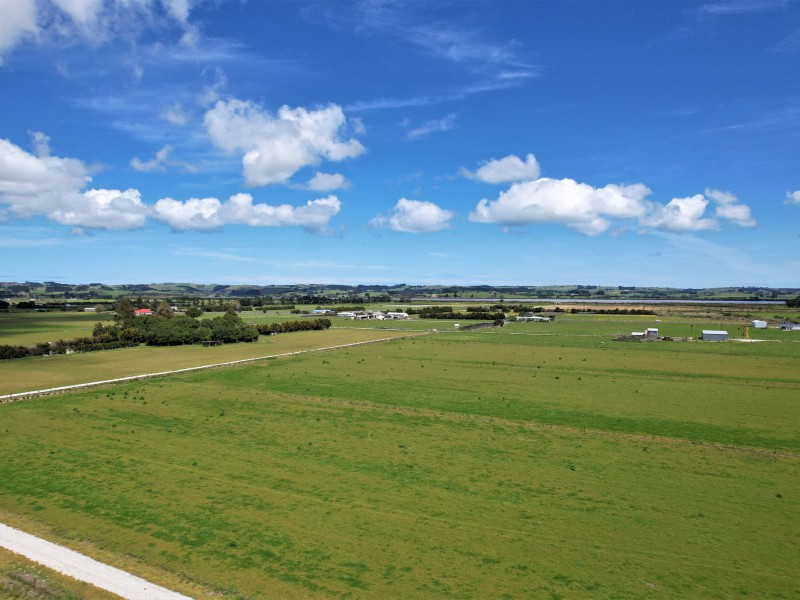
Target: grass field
{"type": "Point", "coordinates": [505, 463]}
{"type": "Point", "coordinates": [30, 328]}
{"type": "Point", "coordinates": [52, 371]}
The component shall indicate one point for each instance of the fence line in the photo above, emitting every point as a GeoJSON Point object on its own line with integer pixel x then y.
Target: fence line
{"type": "Point", "coordinates": [6, 398]}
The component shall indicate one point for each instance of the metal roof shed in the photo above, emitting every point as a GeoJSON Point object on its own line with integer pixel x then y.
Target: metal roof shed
{"type": "Point", "coordinates": [711, 335]}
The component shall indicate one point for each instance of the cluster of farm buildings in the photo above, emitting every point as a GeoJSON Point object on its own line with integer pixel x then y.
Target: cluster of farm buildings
{"type": "Point", "coordinates": [714, 335]}
{"type": "Point", "coordinates": [363, 315]}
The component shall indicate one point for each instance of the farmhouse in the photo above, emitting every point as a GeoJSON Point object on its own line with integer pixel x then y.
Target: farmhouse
{"type": "Point", "coordinates": [143, 311]}
{"type": "Point", "coordinates": [712, 335]}
{"type": "Point", "coordinates": [758, 324]}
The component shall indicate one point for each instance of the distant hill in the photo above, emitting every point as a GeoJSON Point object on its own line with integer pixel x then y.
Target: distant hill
{"type": "Point", "coordinates": [49, 291]}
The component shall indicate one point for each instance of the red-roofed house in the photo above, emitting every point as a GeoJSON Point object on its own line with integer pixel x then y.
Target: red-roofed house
{"type": "Point", "coordinates": [143, 311]}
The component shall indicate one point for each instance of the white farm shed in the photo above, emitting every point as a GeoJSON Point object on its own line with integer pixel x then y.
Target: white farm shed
{"type": "Point", "coordinates": [757, 324]}
{"type": "Point", "coordinates": [712, 335]}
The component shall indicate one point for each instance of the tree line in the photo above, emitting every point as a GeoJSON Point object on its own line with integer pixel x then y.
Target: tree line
{"type": "Point", "coordinates": [289, 326]}
{"type": "Point", "coordinates": [446, 312]}
{"type": "Point", "coordinates": [163, 328]}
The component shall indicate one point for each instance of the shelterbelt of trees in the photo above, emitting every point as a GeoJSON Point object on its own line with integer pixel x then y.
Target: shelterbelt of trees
{"type": "Point", "coordinates": [163, 328]}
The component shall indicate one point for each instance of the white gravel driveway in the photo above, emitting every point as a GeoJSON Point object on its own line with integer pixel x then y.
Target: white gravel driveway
{"type": "Point", "coordinates": [82, 567]}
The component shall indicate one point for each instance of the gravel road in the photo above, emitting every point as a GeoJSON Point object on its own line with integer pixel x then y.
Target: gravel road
{"type": "Point", "coordinates": [82, 567]}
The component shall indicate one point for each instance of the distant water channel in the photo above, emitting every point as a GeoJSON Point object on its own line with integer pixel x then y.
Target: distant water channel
{"type": "Point", "coordinates": [608, 301]}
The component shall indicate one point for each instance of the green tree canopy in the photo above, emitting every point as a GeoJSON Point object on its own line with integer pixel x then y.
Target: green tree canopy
{"type": "Point", "coordinates": [125, 312]}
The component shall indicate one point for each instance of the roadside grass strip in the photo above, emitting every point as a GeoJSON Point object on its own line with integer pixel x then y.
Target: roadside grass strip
{"type": "Point", "coordinates": [82, 567]}
{"type": "Point", "coordinates": [65, 388]}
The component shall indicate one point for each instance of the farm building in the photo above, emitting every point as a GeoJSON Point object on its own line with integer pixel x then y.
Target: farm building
{"type": "Point", "coordinates": [650, 334]}
{"type": "Point", "coordinates": [90, 309]}
{"type": "Point", "coordinates": [397, 315]}
{"type": "Point", "coordinates": [143, 311]}
{"type": "Point", "coordinates": [758, 324]}
{"type": "Point", "coordinates": [534, 319]}
{"type": "Point", "coordinates": [788, 326]}
{"type": "Point", "coordinates": [712, 335]}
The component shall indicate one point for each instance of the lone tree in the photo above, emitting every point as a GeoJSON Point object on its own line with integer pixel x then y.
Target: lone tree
{"type": "Point", "coordinates": [164, 310]}
{"type": "Point", "coordinates": [125, 313]}
{"type": "Point", "coordinates": [193, 312]}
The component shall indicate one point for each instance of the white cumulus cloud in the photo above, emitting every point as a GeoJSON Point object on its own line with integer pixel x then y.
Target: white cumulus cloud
{"type": "Point", "coordinates": [415, 216]}
{"type": "Point", "coordinates": [730, 209]}
{"type": "Point", "coordinates": [208, 214]}
{"type": "Point", "coordinates": [83, 12]}
{"type": "Point", "coordinates": [681, 214]}
{"type": "Point", "coordinates": [25, 174]}
{"type": "Point", "coordinates": [179, 9]}
{"type": "Point", "coordinates": [593, 211]}
{"type": "Point", "coordinates": [793, 197]}
{"type": "Point", "coordinates": [17, 20]}
{"type": "Point", "coordinates": [101, 209]}
{"type": "Point", "coordinates": [576, 205]}
{"type": "Point", "coordinates": [50, 186]}
{"type": "Point", "coordinates": [325, 182]}
{"type": "Point", "coordinates": [274, 148]}
{"type": "Point", "coordinates": [93, 22]}
{"type": "Point", "coordinates": [506, 170]}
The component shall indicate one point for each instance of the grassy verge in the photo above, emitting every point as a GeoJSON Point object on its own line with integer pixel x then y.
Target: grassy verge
{"type": "Point", "coordinates": [21, 579]}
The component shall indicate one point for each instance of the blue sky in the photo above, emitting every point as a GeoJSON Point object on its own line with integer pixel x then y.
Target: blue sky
{"type": "Point", "coordinates": [499, 143]}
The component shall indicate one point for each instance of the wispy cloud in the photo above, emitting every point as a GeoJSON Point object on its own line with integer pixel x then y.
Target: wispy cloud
{"type": "Point", "coordinates": [705, 257]}
{"type": "Point", "coordinates": [703, 16]}
{"type": "Point", "coordinates": [780, 118]}
{"type": "Point", "coordinates": [432, 126]}
{"type": "Point", "coordinates": [490, 64]}
{"type": "Point", "coordinates": [736, 7]}
{"type": "Point", "coordinates": [161, 161]}
{"type": "Point", "coordinates": [389, 103]}
{"type": "Point", "coordinates": [216, 255]}
{"type": "Point", "coordinates": [791, 43]}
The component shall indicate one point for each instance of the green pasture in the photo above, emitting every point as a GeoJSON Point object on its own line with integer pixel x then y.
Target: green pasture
{"type": "Point", "coordinates": [29, 328]}
{"type": "Point", "coordinates": [694, 391]}
{"type": "Point", "coordinates": [493, 464]}
{"type": "Point", "coordinates": [42, 372]}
